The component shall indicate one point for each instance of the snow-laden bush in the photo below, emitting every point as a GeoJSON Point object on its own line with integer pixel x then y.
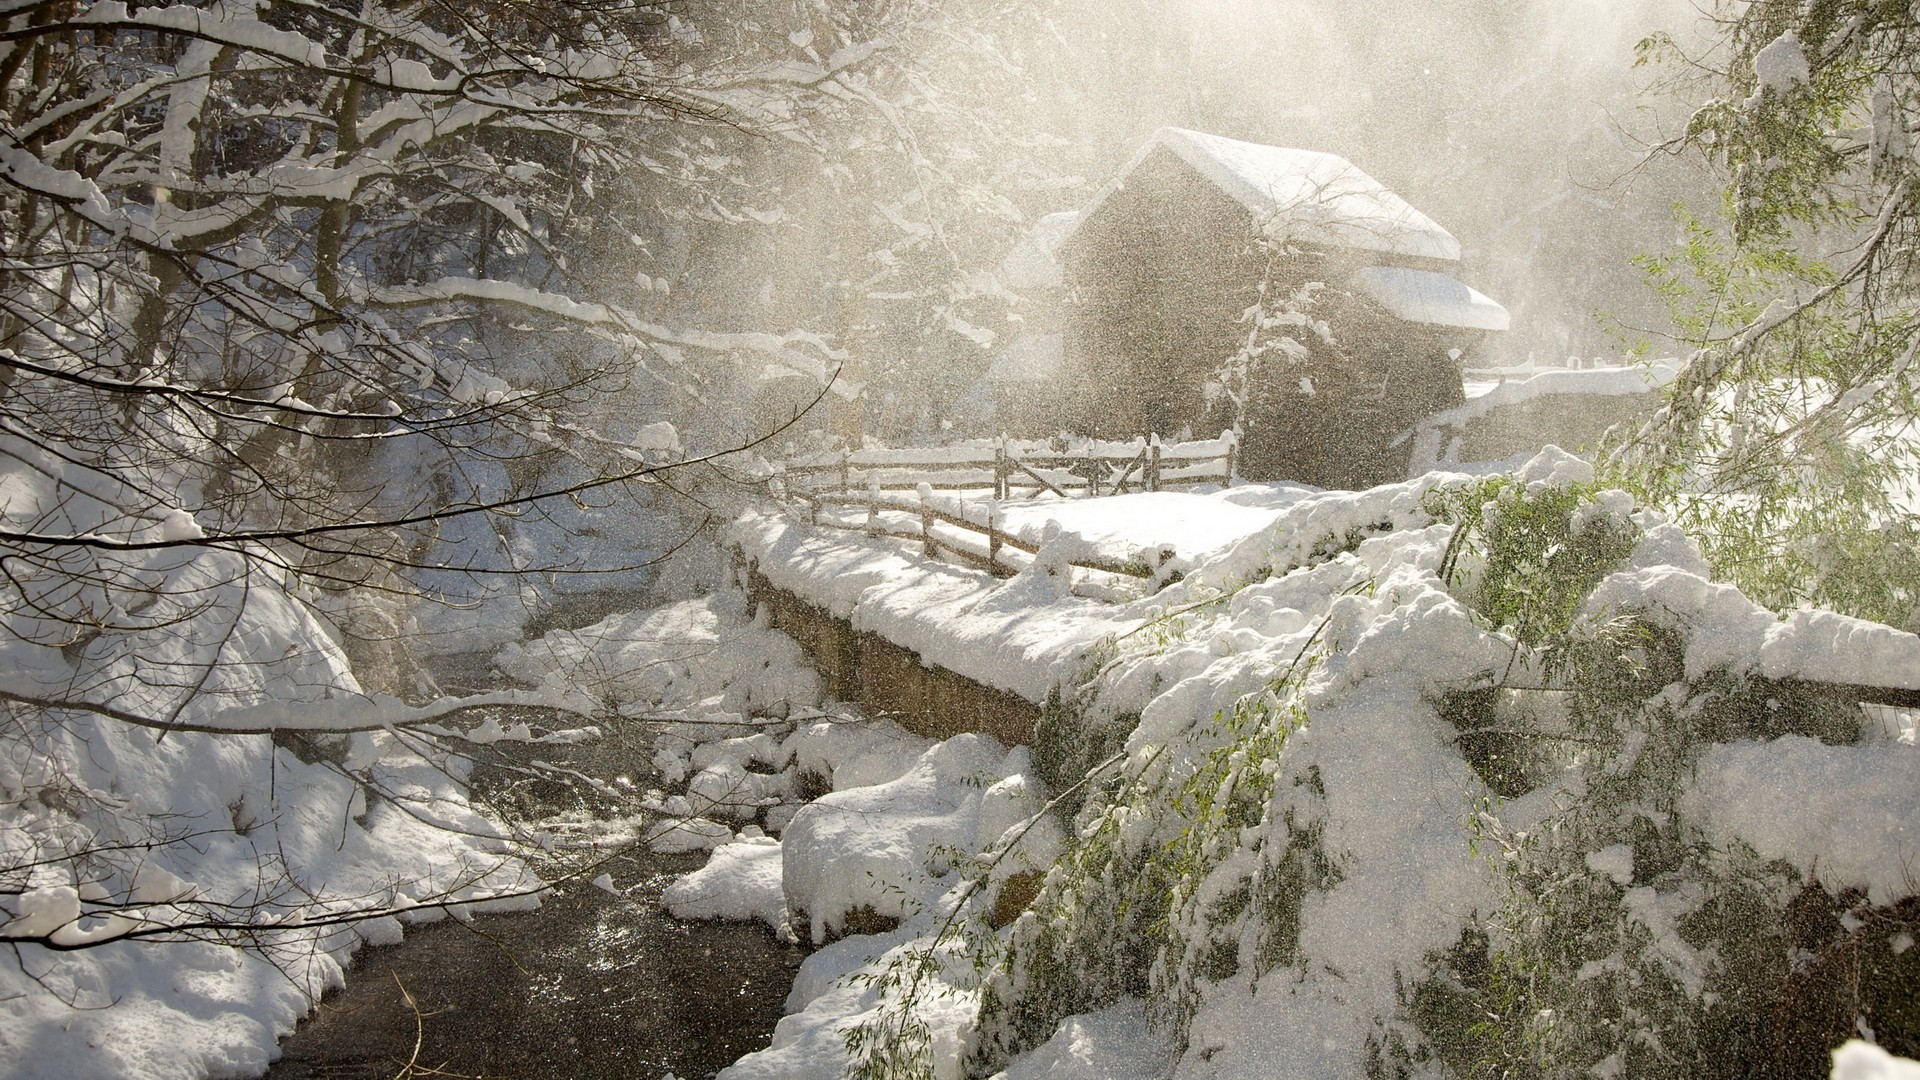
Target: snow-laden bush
{"type": "Point", "coordinates": [1481, 779]}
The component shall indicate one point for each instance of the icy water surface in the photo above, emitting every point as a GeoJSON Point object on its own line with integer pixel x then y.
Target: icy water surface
{"type": "Point", "coordinates": [590, 985]}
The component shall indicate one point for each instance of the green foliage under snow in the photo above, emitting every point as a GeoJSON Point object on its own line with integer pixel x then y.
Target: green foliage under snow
{"type": "Point", "coordinates": [1614, 934]}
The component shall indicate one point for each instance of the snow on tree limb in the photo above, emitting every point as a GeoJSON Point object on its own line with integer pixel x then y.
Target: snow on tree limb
{"type": "Point", "coordinates": [783, 348]}
{"type": "Point", "coordinates": [334, 716]}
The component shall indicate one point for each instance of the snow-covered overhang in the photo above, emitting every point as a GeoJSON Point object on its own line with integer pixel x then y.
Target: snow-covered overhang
{"type": "Point", "coordinates": [1423, 296]}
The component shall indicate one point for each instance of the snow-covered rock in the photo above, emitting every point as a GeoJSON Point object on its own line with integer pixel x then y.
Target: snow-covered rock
{"type": "Point", "coordinates": [889, 847]}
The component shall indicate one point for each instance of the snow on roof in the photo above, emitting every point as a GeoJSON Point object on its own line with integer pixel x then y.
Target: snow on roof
{"type": "Point", "coordinates": [1301, 194]}
{"type": "Point", "coordinates": [1031, 264]}
{"type": "Point", "coordinates": [1422, 296]}
{"type": "Point", "coordinates": [1484, 398]}
{"type": "Point", "coordinates": [1029, 359]}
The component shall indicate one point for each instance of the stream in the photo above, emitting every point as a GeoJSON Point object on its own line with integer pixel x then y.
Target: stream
{"type": "Point", "coordinates": [590, 985]}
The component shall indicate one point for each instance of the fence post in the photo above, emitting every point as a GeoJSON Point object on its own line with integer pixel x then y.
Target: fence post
{"type": "Point", "coordinates": [993, 534]}
{"type": "Point", "coordinates": [926, 522]}
{"type": "Point", "coordinates": [873, 506]}
{"type": "Point", "coordinates": [1153, 462]}
{"type": "Point", "coordinates": [1002, 472]}
{"type": "Point", "coordinates": [846, 470]}
{"type": "Point", "coordinates": [1233, 456]}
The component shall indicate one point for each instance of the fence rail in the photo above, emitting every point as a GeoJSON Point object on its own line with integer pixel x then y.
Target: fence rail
{"type": "Point", "coordinates": [973, 534]}
{"type": "Point", "coordinates": [1084, 468]}
{"type": "Point", "coordinates": [885, 481]}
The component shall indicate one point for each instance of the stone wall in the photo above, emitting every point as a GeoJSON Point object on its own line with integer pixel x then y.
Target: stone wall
{"type": "Point", "coordinates": [1570, 421]}
{"type": "Point", "coordinates": [887, 680]}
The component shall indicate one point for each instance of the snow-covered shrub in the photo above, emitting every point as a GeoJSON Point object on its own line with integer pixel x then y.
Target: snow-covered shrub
{"type": "Point", "coordinates": [1635, 936]}
{"type": "Point", "coordinates": [1496, 783]}
{"type": "Point", "coordinates": [1207, 866]}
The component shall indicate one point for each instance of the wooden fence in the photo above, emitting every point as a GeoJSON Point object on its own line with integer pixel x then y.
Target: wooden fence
{"type": "Point", "coordinates": [913, 493]}
{"type": "Point", "coordinates": [972, 533]}
{"type": "Point", "coordinates": [1015, 468]}
{"type": "Point", "coordinates": [910, 482]}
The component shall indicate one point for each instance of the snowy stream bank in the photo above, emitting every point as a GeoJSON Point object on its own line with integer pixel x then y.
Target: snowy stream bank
{"type": "Point", "coordinates": [590, 985]}
{"type": "Point", "coordinates": [1297, 805]}
{"type": "Point", "coordinates": [1300, 832]}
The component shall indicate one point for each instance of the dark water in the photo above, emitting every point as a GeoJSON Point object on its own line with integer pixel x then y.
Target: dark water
{"type": "Point", "coordinates": [590, 985]}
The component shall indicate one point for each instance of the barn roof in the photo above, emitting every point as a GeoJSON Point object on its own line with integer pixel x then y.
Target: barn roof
{"type": "Point", "coordinates": [1300, 194]}
{"type": "Point", "coordinates": [1423, 296]}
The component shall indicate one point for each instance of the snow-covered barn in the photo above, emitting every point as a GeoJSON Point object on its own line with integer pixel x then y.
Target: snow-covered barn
{"type": "Point", "coordinates": [1159, 269]}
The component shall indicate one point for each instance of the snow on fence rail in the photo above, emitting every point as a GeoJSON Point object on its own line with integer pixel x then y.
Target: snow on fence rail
{"type": "Point", "coordinates": [903, 481]}
{"type": "Point", "coordinates": [1086, 467]}
{"type": "Point", "coordinates": [973, 533]}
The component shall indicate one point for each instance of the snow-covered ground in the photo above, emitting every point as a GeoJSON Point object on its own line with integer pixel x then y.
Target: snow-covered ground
{"type": "Point", "coordinates": [111, 831]}
{"type": "Point", "coordinates": [1347, 590]}
{"type": "Point", "coordinates": [1195, 524]}
{"type": "Point", "coordinates": [1300, 659]}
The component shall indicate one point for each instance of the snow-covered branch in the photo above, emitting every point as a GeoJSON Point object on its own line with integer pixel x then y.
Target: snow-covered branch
{"type": "Point", "coordinates": [334, 716]}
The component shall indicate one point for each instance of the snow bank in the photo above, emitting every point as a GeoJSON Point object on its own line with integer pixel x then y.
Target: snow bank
{"type": "Point", "coordinates": [1847, 816]}
{"type": "Point", "coordinates": [698, 652]}
{"type": "Point", "coordinates": [741, 882]}
{"type": "Point", "coordinates": [1112, 1044]}
{"type": "Point", "coordinates": [107, 828]}
{"type": "Point", "coordinates": [1395, 790]}
{"type": "Point", "coordinates": [1305, 667]}
{"type": "Point", "coordinates": [1726, 631]}
{"type": "Point", "coordinates": [968, 622]}
{"type": "Point", "coordinates": [1858, 1060]}
{"type": "Point", "coordinates": [1194, 525]}
{"type": "Point", "coordinates": [892, 848]}
{"type": "Point", "coordinates": [810, 1043]}
{"type": "Point", "coordinates": [743, 727]}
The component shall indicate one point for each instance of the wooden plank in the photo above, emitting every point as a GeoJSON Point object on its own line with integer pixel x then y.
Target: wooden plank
{"type": "Point", "coordinates": [1044, 482]}
{"type": "Point", "coordinates": [1120, 482]}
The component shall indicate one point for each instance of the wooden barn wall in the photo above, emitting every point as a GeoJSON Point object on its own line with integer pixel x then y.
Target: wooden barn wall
{"type": "Point", "coordinates": [1158, 279]}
